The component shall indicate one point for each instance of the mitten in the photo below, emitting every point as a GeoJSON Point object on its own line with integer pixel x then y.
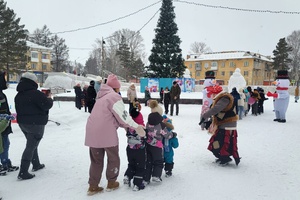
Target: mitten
{"type": "Point", "coordinates": [207, 124]}
{"type": "Point", "coordinates": [174, 135]}
{"type": "Point", "coordinates": [140, 131]}
{"type": "Point", "coordinates": [202, 120]}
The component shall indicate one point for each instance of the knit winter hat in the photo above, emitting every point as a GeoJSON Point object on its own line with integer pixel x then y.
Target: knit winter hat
{"type": "Point", "coordinates": [155, 107]}
{"type": "Point", "coordinates": [30, 76]}
{"type": "Point", "coordinates": [113, 81]}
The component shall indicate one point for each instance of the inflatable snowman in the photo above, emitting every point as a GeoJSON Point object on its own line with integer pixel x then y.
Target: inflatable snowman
{"type": "Point", "coordinates": [207, 100]}
{"type": "Point", "coordinates": [281, 96]}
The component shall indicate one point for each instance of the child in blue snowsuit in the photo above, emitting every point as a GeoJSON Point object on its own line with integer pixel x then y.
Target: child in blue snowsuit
{"type": "Point", "coordinates": [169, 144]}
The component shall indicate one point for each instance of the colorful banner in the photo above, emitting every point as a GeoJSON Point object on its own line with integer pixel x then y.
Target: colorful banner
{"type": "Point", "coordinates": [153, 84]}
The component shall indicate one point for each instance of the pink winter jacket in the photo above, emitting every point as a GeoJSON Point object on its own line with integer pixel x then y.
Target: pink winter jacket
{"type": "Point", "coordinates": [107, 116]}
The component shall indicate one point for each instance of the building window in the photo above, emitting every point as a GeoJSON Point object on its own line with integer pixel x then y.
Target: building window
{"type": "Point", "coordinates": [44, 67]}
{"type": "Point", "coordinates": [33, 65]}
{"type": "Point", "coordinates": [231, 64]}
{"type": "Point", "coordinates": [214, 64]}
{"type": "Point", "coordinates": [34, 55]}
{"type": "Point", "coordinates": [191, 66]}
{"type": "Point", "coordinates": [222, 64]}
{"type": "Point", "coordinates": [44, 56]}
{"type": "Point", "coordinates": [197, 73]}
{"type": "Point", "coordinates": [206, 65]}
{"type": "Point", "coordinates": [222, 73]}
{"type": "Point", "coordinates": [230, 73]}
{"type": "Point", "coordinates": [198, 66]}
{"type": "Point", "coordinates": [245, 73]}
{"type": "Point", "coordinates": [246, 64]}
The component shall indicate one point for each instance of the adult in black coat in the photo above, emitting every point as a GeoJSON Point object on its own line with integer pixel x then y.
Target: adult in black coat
{"type": "Point", "coordinates": [166, 99]}
{"type": "Point", "coordinates": [4, 109]}
{"type": "Point", "coordinates": [78, 96]}
{"type": "Point", "coordinates": [236, 97]}
{"type": "Point", "coordinates": [32, 107]}
{"type": "Point", "coordinates": [91, 96]}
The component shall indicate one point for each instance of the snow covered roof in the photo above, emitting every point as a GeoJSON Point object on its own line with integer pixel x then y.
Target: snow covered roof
{"type": "Point", "coordinates": [36, 46]}
{"type": "Point", "coordinates": [227, 55]}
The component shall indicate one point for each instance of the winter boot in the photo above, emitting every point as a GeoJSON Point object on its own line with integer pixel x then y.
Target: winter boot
{"type": "Point", "coordinates": [10, 167]}
{"type": "Point", "coordinates": [138, 188]}
{"type": "Point", "coordinates": [168, 173]}
{"type": "Point", "coordinates": [41, 166]}
{"type": "Point", "coordinates": [156, 179]}
{"type": "Point", "coordinates": [225, 160]}
{"type": "Point", "coordinates": [112, 185]}
{"type": "Point", "coordinates": [24, 175]}
{"type": "Point", "coordinates": [127, 181]}
{"type": "Point", "coordinates": [94, 190]}
{"type": "Point", "coordinates": [2, 171]}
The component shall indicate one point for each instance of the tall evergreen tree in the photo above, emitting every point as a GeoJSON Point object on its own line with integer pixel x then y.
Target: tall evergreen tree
{"type": "Point", "coordinates": [42, 37]}
{"type": "Point", "coordinates": [125, 57]}
{"type": "Point", "coordinates": [60, 54]}
{"type": "Point", "coordinates": [281, 55]}
{"type": "Point", "coordinates": [13, 48]}
{"type": "Point", "coordinates": [166, 56]}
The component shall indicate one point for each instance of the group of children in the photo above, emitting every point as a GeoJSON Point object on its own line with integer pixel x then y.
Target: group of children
{"type": "Point", "coordinates": [148, 156]}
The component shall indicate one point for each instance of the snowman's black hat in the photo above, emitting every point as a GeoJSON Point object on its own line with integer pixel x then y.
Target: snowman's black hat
{"type": "Point", "coordinates": [210, 75]}
{"type": "Point", "coordinates": [282, 74]}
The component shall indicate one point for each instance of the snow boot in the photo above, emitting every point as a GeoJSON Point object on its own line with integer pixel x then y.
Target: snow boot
{"type": "Point", "coordinates": [112, 185]}
{"type": "Point", "coordinates": [41, 166]}
{"type": "Point", "coordinates": [138, 188]}
{"type": "Point", "coordinates": [156, 179]}
{"type": "Point", "coordinates": [127, 181]}
{"type": "Point", "coordinates": [94, 190]}
{"type": "Point", "coordinates": [225, 160]}
{"type": "Point", "coordinates": [168, 174]}
{"type": "Point", "coordinates": [25, 176]}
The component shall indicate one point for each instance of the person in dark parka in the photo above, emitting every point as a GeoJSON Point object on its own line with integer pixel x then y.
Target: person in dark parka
{"type": "Point", "coordinates": [91, 96]}
{"type": "Point", "coordinates": [4, 109]}
{"type": "Point", "coordinates": [32, 107]}
{"type": "Point", "coordinates": [78, 96]}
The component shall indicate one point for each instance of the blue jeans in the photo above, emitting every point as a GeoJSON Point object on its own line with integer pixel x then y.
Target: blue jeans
{"type": "Point", "coordinates": [4, 154]}
{"type": "Point", "coordinates": [241, 112]}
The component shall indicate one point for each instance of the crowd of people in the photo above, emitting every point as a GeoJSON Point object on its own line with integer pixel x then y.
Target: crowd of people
{"type": "Point", "coordinates": [147, 142]}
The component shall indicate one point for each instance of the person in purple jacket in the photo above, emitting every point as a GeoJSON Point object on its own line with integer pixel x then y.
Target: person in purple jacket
{"type": "Point", "coordinates": [101, 137]}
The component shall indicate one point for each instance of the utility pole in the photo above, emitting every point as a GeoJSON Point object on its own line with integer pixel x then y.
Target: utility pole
{"type": "Point", "coordinates": [102, 57]}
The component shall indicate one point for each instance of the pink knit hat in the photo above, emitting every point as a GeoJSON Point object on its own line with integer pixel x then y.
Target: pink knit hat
{"type": "Point", "coordinates": [113, 81]}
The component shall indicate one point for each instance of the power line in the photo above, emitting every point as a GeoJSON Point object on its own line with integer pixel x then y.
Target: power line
{"type": "Point", "coordinates": [108, 22]}
{"type": "Point", "coordinates": [240, 9]}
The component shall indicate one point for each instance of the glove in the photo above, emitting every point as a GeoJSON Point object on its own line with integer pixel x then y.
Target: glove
{"type": "Point", "coordinates": [140, 131]}
{"type": "Point", "coordinates": [270, 94]}
{"type": "Point", "coordinates": [174, 134]}
{"type": "Point", "coordinates": [207, 124]}
{"type": "Point", "coordinates": [202, 120]}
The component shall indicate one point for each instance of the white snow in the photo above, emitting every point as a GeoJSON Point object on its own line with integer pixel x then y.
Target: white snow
{"type": "Point", "coordinates": [269, 168]}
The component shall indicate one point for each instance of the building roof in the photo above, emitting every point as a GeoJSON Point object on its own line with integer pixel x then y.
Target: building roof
{"type": "Point", "coordinates": [36, 46]}
{"type": "Point", "coordinates": [227, 55]}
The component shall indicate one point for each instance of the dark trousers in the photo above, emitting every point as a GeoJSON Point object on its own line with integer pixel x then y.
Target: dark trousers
{"type": "Point", "coordinates": [136, 165]}
{"type": "Point", "coordinates": [166, 105]}
{"type": "Point", "coordinates": [155, 162]}
{"type": "Point", "coordinates": [90, 106]}
{"type": "Point", "coordinates": [176, 102]}
{"type": "Point", "coordinates": [4, 155]}
{"type": "Point", "coordinates": [130, 106]}
{"type": "Point", "coordinates": [255, 108]}
{"type": "Point", "coordinates": [33, 134]}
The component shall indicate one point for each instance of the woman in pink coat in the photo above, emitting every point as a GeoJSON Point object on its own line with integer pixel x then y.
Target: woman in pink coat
{"type": "Point", "coordinates": [107, 116]}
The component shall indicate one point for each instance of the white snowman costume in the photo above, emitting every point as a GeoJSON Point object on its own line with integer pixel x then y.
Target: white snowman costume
{"type": "Point", "coordinates": [281, 97]}
{"type": "Point", "coordinates": [207, 100]}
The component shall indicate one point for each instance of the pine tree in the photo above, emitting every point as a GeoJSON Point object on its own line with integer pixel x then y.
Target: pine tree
{"type": "Point", "coordinates": [281, 55]}
{"type": "Point", "coordinates": [13, 48]}
{"type": "Point", "coordinates": [41, 37]}
{"type": "Point", "coordinates": [60, 54]}
{"type": "Point", "coordinates": [166, 56]}
{"type": "Point", "coordinates": [125, 57]}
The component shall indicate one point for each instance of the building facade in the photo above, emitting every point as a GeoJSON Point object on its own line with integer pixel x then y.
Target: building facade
{"type": "Point", "coordinates": [38, 62]}
{"type": "Point", "coordinates": [256, 68]}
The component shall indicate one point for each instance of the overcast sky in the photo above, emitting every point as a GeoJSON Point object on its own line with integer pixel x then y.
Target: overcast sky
{"type": "Point", "coordinates": [220, 29]}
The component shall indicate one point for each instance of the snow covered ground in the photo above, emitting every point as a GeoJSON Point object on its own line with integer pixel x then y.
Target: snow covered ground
{"type": "Point", "coordinates": [269, 168]}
